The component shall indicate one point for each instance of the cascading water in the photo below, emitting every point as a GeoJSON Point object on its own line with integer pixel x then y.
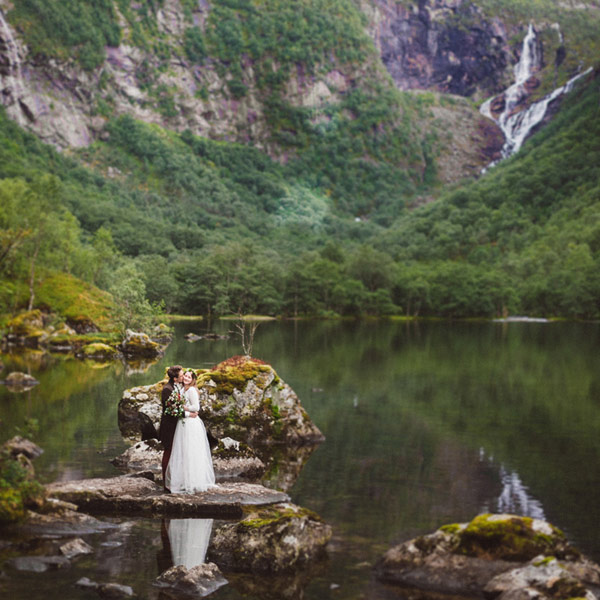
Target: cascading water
{"type": "Point", "coordinates": [516, 125]}
{"type": "Point", "coordinates": [11, 77]}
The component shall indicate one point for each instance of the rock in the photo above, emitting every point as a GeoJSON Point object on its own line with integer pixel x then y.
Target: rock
{"type": "Point", "coordinates": [143, 456]}
{"type": "Point", "coordinates": [27, 329]}
{"type": "Point", "coordinates": [146, 456]}
{"type": "Point", "coordinates": [20, 445]}
{"type": "Point", "coordinates": [75, 547]}
{"type": "Point", "coordinates": [138, 407]}
{"type": "Point", "coordinates": [192, 337]}
{"type": "Point", "coordinates": [98, 351]}
{"type": "Point", "coordinates": [428, 49]}
{"type": "Point", "coordinates": [114, 591]}
{"type": "Point", "coordinates": [241, 398]}
{"type": "Point", "coordinates": [81, 324]}
{"type": "Point", "coordinates": [140, 496]}
{"type": "Point", "coordinates": [138, 344]}
{"type": "Point", "coordinates": [63, 522]}
{"type": "Point", "coordinates": [38, 564]}
{"type": "Point", "coordinates": [491, 550]}
{"type": "Point", "coordinates": [110, 591]}
{"type": "Point", "coordinates": [275, 539]}
{"type": "Point", "coordinates": [162, 333]}
{"type": "Point", "coordinates": [200, 580]}
{"type": "Point", "coordinates": [542, 578]}
{"type": "Point", "coordinates": [16, 379]}
{"type": "Point", "coordinates": [233, 459]}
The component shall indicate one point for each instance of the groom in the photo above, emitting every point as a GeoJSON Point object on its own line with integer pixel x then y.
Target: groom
{"type": "Point", "coordinates": [168, 423]}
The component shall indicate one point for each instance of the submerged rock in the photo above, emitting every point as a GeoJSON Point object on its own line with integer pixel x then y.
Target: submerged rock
{"type": "Point", "coordinates": [275, 539]}
{"type": "Point", "coordinates": [75, 547]}
{"type": "Point", "coordinates": [106, 590]}
{"type": "Point", "coordinates": [20, 382]}
{"type": "Point", "coordinates": [38, 564]}
{"type": "Point", "coordinates": [198, 581]}
{"type": "Point", "coordinates": [496, 554]}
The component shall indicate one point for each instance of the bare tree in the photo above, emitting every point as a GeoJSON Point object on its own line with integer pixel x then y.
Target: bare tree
{"type": "Point", "coordinates": [246, 330]}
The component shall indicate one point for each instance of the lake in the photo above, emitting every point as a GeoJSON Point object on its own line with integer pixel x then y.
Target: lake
{"type": "Point", "coordinates": [426, 423]}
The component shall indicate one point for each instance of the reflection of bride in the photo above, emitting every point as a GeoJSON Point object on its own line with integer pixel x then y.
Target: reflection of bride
{"type": "Point", "coordinates": [189, 540]}
{"type": "Point", "coordinates": [190, 467]}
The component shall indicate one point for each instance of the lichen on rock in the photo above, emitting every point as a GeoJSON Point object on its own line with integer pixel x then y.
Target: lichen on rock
{"type": "Point", "coordinates": [273, 539]}
{"type": "Point", "coordinates": [500, 555]}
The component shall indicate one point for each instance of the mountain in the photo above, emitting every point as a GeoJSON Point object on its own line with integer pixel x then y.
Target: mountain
{"type": "Point", "coordinates": [269, 155]}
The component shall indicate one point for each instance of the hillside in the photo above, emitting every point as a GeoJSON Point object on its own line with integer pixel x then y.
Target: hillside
{"type": "Point", "coordinates": [268, 156]}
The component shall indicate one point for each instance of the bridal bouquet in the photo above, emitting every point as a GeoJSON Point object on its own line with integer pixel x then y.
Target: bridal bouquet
{"type": "Point", "coordinates": [174, 404]}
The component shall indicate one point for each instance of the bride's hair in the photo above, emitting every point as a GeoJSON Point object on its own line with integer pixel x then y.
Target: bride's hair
{"type": "Point", "coordinates": [194, 377]}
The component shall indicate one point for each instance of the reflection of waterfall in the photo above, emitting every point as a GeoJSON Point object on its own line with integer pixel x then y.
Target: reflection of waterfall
{"type": "Point", "coordinates": [12, 89]}
{"type": "Point", "coordinates": [189, 540]}
{"type": "Point", "coordinates": [516, 125]}
{"type": "Point", "coordinates": [515, 498]}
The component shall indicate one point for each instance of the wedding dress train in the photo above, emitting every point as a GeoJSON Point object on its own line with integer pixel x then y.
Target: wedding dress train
{"type": "Point", "coordinates": [190, 467]}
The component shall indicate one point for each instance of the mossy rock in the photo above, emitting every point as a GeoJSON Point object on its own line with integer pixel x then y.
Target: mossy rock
{"type": "Point", "coordinates": [98, 351]}
{"type": "Point", "coordinates": [512, 538]}
{"type": "Point", "coordinates": [275, 539]}
{"type": "Point", "coordinates": [275, 515]}
{"type": "Point", "coordinates": [26, 324]}
{"type": "Point", "coordinates": [234, 373]}
{"type": "Point", "coordinates": [138, 344]}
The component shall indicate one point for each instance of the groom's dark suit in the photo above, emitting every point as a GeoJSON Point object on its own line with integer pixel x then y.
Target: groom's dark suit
{"type": "Point", "coordinates": [167, 427]}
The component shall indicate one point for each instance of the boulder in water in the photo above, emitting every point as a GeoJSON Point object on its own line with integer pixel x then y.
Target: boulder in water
{"type": "Point", "coordinates": [493, 554]}
{"type": "Point", "coordinates": [273, 539]}
{"type": "Point", "coordinates": [138, 344]}
{"type": "Point", "coordinates": [198, 581]}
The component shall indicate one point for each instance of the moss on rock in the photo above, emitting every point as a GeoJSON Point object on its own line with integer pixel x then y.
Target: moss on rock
{"type": "Point", "coordinates": [26, 323]}
{"type": "Point", "coordinates": [98, 350]}
{"type": "Point", "coordinates": [508, 537]}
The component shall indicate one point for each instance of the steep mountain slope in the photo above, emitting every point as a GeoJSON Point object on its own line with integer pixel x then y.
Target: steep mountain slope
{"type": "Point", "coordinates": [257, 155]}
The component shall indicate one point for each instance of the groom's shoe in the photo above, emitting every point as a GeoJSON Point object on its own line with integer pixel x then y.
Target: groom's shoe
{"type": "Point", "coordinates": [167, 490]}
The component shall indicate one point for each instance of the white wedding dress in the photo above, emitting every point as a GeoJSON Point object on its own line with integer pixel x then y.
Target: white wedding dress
{"type": "Point", "coordinates": [190, 467]}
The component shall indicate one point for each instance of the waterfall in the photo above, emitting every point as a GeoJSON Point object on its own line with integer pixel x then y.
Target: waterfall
{"type": "Point", "coordinates": [516, 125]}
{"type": "Point", "coordinates": [11, 77]}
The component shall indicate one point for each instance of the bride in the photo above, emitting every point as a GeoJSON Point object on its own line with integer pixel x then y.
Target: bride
{"type": "Point", "coordinates": [190, 467]}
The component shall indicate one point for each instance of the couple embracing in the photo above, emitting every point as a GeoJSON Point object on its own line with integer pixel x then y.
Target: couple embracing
{"type": "Point", "coordinates": [187, 463]}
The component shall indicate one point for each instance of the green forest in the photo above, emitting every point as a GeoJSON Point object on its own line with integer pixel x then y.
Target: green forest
{"type": "Point", "coordinates": [167, 221]}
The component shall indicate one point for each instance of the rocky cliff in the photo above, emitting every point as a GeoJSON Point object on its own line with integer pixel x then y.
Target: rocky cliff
{"type": "Point", "coordinates": [160, 71]}
{"type": "Point", "coordinates": [446, 45]}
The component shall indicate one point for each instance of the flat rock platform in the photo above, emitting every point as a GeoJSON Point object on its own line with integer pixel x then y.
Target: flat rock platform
{"type": "Point", "coordinates": [137, 495]}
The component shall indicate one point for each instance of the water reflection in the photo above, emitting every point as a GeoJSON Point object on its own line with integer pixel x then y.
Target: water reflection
{"type": "Point", "coordinates": [515, 497]}
{"type": "Point", "coordinates": [186, 540]}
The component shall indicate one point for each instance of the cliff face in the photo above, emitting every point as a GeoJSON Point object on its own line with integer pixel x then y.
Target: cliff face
{"type": "Point", "coordinates": [68, 107]}
{"type": "Point", "coordinates": [446, 45]}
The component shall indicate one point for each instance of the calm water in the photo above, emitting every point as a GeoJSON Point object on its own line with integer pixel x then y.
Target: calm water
{"type": "Point", "coordinates": [426, 424]}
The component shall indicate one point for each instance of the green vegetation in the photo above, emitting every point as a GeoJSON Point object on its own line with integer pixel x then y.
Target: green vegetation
{"type": "Point", "coordinates": [65, 28]}
{"type": "Point", "coordinates": [19, 490]}
{"type": "Point", "coordinates": [198, 226]}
